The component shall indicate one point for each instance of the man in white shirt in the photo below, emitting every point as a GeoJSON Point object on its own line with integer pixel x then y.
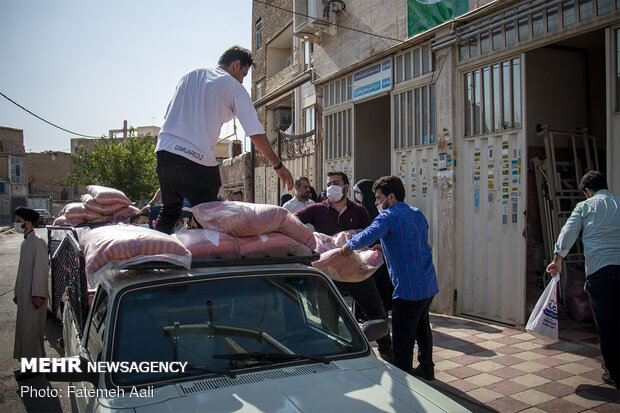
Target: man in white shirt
{"type": "Point", "coordinates": [203, 101]}
{"type": "Point", "coordinates": [302, 195]}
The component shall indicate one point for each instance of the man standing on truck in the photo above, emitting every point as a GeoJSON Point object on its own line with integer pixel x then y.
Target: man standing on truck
{"type": "Point", "coordinates": [403, 231]}
{"type": "Point", "coordinates": [30, 290]}
{"type": "Point", "coordinates": [204, 100]}
{"type": "Point", "coordinates": [337, 213]}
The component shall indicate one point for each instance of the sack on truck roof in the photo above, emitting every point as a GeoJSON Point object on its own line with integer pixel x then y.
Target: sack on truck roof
{"type": "Point", "coordinates": [243, 219]}
{"type": "Point", "coordinates": [118, 246]}
{"type": "Point", "coordinates": [206, 244]}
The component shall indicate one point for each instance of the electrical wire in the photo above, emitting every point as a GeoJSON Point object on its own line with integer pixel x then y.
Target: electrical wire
{"type": "Point", "coordinates": [45, 120]}
{"type": "Point", "coordinates": [332, 24]}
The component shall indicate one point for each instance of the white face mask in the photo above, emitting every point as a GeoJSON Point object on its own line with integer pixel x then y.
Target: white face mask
{"type": "Point", "coordinates": [18, 227]}
{"type": "Point", "coordinates": [358, 195]}
{"type": "Point", "coordinates": [334, 193]}
{"type": "Point", "coordinates": [143, 225]}
{"type": "Point", "coordinates": [380, 207]}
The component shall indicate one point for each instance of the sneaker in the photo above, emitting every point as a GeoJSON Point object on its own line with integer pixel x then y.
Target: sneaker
{"type": "Point", "coordinates": [608, 380]}
{"type": "Point", "coordinates": [419, 372]}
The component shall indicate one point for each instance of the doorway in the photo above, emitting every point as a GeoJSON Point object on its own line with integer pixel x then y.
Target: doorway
{"type": "Point", "coordinates": [372, 139]}
{"type": "Point", "coordinates": [566, 137]}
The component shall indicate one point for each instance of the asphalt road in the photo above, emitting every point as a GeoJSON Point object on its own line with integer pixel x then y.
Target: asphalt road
{"type": "Point", "coordinates": [14, 396]}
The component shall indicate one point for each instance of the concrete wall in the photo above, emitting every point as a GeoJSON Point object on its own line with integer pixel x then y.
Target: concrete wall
{"type": "Point", "coordinates": [11, 140]}
{"type": "Point", "coordinates": [236, 173]}
{"type": "Point", "coordinates": [46, 173]}
{"type": "Point", "coordinates": [336, 53]}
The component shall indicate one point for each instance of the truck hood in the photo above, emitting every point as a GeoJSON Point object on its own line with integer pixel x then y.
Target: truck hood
{"type": "Point", "coordinates": [309, 388]}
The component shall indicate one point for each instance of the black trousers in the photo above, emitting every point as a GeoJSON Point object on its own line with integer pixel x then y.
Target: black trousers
{"type": "Point", "coordinates": [367, 296]}
{"type": "Point", "coordinates": [411, 323]}
{"type": "Point", "coordinates": [603, 288]}
{"type": "Point", "coordinates": [181, 178]}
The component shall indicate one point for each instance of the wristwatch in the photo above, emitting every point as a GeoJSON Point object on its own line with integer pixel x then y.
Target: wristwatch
{"type": "Point", "coordinates": [278, 166]}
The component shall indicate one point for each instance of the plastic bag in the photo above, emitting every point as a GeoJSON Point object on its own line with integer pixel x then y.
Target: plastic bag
{"type": "Point", "coordinates": [543, 322]}
{"type": "Point", "coordinates": [354, 268]}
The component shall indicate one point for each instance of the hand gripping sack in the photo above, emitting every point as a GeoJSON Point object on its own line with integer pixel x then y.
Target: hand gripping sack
{"type": "Point", "coordinates": [543, 322]}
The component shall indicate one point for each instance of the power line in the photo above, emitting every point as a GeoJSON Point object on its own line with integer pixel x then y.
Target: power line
{"type": "Point", "coordinates": [332, 24]}
{"type": "Point", "coordinates": [45, 120]}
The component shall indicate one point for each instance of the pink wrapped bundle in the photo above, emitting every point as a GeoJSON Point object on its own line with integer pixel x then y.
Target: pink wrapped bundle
{"type": "Point", "coordinates": [271, 245]}
{"type": "Point", "coordinates": [116, 246]}
{"type": "Point", "coordinates": [62, 220]}
{"type": "Point", "coordinates": [326, 242]}
{"type": "Point", "coordinates": [77, 212]}
{"type": "Point", "coordinates": [105, 195]}
{"type": "Point", "coordinates": [206, 244]}
{"type": "Point", "coordinates": [355, 268]}
{"type": "Point", "coordinates": [122, 216]}
{"type": "Point", "coordinates": [103, 209]}
{"type": "Point", "coordinates": [243, 219]}
{"type": "Point", "coordinates": [292, 227]}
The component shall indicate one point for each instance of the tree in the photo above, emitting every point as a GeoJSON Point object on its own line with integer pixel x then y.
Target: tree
{"type": "Point", "coordinates": [125, 164]}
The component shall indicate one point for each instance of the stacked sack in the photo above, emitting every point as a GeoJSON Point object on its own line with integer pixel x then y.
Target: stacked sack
{"type": "Point", "coordinates": [112, 247]}
{"type": "Point", "coordinates": [101, 205]}
{"type": "Point", "coordinates": [354, 268]}
{"type": "Point", "coordinates": [241, 229]}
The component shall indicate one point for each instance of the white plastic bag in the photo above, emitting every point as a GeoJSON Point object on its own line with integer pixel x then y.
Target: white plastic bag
{"type": "Point", "coordinates": [543, 322]}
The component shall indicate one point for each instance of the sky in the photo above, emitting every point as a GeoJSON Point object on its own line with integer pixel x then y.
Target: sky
{"type": "Point", "coordinates": [88, 65]}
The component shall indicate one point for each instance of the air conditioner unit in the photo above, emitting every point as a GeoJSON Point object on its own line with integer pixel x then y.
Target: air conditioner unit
{"type": "Point", "coordinates": [309, 19]}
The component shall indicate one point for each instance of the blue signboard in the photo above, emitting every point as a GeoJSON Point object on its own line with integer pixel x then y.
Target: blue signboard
{"type": "Point", "coordinates": [372, 80]}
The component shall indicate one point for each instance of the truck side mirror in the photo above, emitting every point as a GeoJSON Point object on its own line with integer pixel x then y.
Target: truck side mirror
{"type": "Point", "coordinates": [374, 329]}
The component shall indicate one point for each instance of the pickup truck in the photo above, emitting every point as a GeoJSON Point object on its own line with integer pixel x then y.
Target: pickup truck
{"type": "Point", "coordinates": [252, 334]}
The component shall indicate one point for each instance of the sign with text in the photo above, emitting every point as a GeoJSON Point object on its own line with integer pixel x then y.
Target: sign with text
{"type": "Point", "coordinates": [426, 14]}
{"type": "Point", "coordinates": [372, 80]}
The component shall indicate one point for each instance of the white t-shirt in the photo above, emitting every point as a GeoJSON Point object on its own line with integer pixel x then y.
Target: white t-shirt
{"type": "Point", "coordinates": [294, 204]}
{"type": "Point", "coordinates": [204, 100]}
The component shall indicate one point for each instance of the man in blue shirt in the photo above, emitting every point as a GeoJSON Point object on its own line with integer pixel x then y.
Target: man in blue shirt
{"type": "Point", "coordinates": [403, 232]}
{"type": "Point", "coordinates": [599, 219]}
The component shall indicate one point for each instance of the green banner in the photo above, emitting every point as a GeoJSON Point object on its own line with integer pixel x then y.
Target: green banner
{"type": "Point", "coordinates": [426, 14]}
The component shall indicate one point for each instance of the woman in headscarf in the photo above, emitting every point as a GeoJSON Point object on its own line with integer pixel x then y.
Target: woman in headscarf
{"type": "Point", "coordinates": [365, 196]}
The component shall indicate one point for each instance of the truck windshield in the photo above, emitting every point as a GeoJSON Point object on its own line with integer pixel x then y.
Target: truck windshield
{"type": "Point", "coordinates": [231, 324]}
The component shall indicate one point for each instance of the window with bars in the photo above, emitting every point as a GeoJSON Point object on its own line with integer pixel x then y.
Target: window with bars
{"type": "Point", "coordinates": [18, 170]}
{"type": "Point", "coordinates": [414, 117]}
{"type": "Point", "coordinates": [308, 119]}
{"type": "Point", "coordinates": [413, 64]}
{"type": "Point", "coordinates": [493, 98]}
{"type": "Point", "coordinates": [259, 33]}
{"type": "Point", "coordinates": [338, 133]}
{"type": "Point", "coordinates": [338, 91]}
{"type": "Point", "coordinates": [537, 22]}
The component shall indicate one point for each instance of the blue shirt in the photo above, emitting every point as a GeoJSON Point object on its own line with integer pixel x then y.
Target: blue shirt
{"type": "Point", "coordinates": [403, 231]}
{"type": "Point", "coordinates": [599, 218]}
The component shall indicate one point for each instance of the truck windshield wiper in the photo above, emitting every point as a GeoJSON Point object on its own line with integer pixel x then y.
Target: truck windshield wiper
{"type": "Point", "coordinates": [207, 369]}
{"type": "Point", "coordinates": [270, 356]}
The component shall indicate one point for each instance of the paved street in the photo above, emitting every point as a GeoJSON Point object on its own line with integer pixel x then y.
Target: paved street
{"type": "Point", "coordinates": [487, 367]}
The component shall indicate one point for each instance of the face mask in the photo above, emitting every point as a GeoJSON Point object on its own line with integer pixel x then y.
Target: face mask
{"type": "Point", "coordinates": [334, 193]}
{"type": "Point", "coordinates": [358, 195]}
{"type": "Point", "coordinates": [380, 207]}
{"type": "Point", "coordinates": [143, 225]}
{"type": "Point", "coordinates": [19, 228]}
